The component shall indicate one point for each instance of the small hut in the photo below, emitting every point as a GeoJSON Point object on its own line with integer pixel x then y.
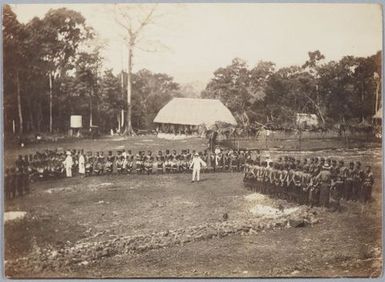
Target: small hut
{"type": "Point", "coordinates": [306, 120]}
{"type": "Point", "coordinates": [76, 123]}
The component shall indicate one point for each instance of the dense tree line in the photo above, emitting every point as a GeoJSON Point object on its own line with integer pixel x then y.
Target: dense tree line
{"type": "Point", "coordinates": [337, 92]}
{"type": "Point", "coordinates": [53, 69]}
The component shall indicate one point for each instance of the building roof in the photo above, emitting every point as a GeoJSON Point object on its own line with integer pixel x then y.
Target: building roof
{"type": "Point", "coordinates": [191, 111]}
{"type": "Point", "coordinates": [378, 114]}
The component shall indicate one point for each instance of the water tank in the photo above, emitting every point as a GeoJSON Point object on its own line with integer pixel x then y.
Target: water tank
{"type": "Point", "coordinates": [76, 121]}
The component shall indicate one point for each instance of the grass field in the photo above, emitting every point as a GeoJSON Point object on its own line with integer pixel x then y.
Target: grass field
{"type": "Point", "coordinates": [164, 225]}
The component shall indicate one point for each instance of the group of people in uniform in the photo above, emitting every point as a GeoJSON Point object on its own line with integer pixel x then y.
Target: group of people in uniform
{"type": "Point", "coordinates": [16, 178]}
{"type": "Point", "coordinates": [314, 181]}
{"type": "Point", "coordinates": [53, 164]}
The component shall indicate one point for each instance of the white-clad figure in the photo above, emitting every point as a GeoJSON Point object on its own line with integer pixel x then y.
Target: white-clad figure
{"type": "Point", "coordinates": [196, 165]}
{"type": "Point", "coordinates": [68, 162]}
{"type": "Point", "coordinates": [217, 151]}
{"type": "Point", "coordinates": [268, 158]}
{"type": "Point", "coordinates": [82, 165]}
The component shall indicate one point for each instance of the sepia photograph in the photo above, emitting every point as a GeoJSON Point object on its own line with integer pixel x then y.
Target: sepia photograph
{"type": "Point", "coordinates": [192, 140]}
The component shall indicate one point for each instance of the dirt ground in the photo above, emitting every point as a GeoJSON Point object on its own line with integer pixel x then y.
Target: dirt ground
{"type": "Point", "coordinates": [166, 226]}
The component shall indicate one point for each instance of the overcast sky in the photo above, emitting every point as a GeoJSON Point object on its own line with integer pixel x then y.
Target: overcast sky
{"type": "Point", "coordinates": [193, 40]}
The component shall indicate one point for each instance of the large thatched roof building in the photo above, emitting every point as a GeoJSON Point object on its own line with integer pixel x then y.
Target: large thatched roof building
{"type": "Point", "coordinates": [190, 111]}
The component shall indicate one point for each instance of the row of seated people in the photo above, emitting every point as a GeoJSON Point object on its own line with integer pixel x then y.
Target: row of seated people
{"type": "Point", "coordinates": [168, 162]}
{"type": "Point", "coordinates": [50, 163]}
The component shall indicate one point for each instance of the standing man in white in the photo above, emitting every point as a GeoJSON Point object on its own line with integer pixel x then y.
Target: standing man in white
{"type": "Point", "coordinates": [196, 165]}
{"type": "Point", "coordinates": [217, 151]}
{"type": "Point", "coordinates": [68, 162]}
{"type": "Point", "coordinates": [82, 167]}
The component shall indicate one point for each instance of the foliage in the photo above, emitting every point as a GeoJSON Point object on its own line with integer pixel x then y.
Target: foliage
{"type": "Point", "coordinates": [334, 91]}
{"type": "Point", "coordinates": [46, 46]}
{"type": "Point", "coordinates": [51, 45]}
{"type": "Point", "coordinates": [231, 85]}
{"type": "Point", "coordinates": [338, 91]}
{"type": "Point", "coordinates": [111, 100]}
{"type": "Point", "coordinates": [13, 57]}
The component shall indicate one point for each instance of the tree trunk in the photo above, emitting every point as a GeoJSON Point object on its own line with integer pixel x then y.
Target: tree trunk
{"type": "Point", "coordinates": [318, 108]}
{"type": "Point", "coordinates": [39, 115]}
{"type": "Point", "coordinates": [118, 120]}
{"type": "Point", "coordinates": [31, 118]}
{"type": "Point", "coordinates": [50, 103]}
{"type": "Point", "coordinates": [128, 126]}
{"type": "Point", "coordinates": [91, 111]}
{"type": "Point", "coordinates": [19, 103]}
{"type": "Point", "coordinates": [377, 91]}
{"type": "Point", "coordinates": [121, 122]}
{"type": "Point", "coordinates": [362, 101]}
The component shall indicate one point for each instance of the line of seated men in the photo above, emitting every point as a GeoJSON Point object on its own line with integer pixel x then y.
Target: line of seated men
{"type": "Point", "coordinates": [167, 162]}
{"type": "Point", "coordinates": [49, 164]}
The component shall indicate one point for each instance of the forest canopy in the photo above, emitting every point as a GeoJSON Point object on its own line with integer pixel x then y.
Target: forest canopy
{"type": "Point", "coordinates": [51, 72]}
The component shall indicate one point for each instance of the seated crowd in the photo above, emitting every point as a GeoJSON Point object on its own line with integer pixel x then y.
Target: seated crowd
{"type": "Point", "coordinates": [315, 181]}
{"type": "Point", "coordinates": [52, 164]}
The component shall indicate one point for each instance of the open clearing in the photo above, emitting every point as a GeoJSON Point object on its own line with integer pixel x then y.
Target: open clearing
{"type": "Point", "coordinates": [163, 225]}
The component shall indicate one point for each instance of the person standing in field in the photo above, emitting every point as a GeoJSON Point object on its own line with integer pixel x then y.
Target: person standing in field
{"type": "Point", "coordinates": [367, 187]}
{"type": "Point", "coordinates": [68, 162]}
{"type": "Point", "coordinates": [325, 179]}
{"type": "Point", "coordinates": [82, 166]}
{"type": "Point", "coordinates": [196, 165]}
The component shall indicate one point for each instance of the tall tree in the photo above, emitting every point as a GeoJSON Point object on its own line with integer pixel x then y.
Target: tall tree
{"type": "Point", "coordinates": [232, 86]}
{"type": "Point", "coordinates": [86, 79]}
{"type": "Point", "coordinates": [111, 100]}
{"type": "Point", "coordinates": [151, 91]}
{"type": "Point", "coordinates": [259, 77]}
{"type": "Point", "coordinates": [239, 88]}
{"type": "Point", "coordinates": [55, 40]}
{"type": "Point", "coordinates": [282, 89]}
{"type": "Point", "coordinates": [312, 67]}
{"type": "Point", "coordinates": [14, 59]}
{"type": "Point", "coordinates": [133, 20]}
{"type": "Point", "coordinates": [365, 86]}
